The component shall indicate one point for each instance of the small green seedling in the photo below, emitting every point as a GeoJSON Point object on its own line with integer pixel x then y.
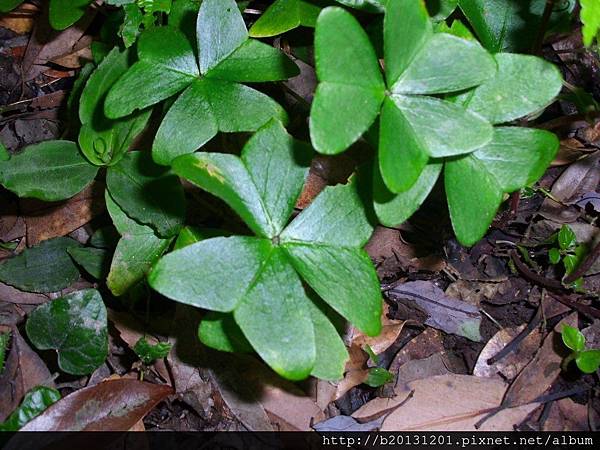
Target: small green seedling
{"type": "Point", "coordinates": [378, 376]}
{"type": "Point", "coordinates": [587, 361]}
{"type": "Point", "coordinates": [149, 353]}
{"type": "Point", "coordinates": [568, 251]}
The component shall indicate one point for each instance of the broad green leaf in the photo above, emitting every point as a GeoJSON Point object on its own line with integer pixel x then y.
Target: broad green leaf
{"type": "Point", "coordinates": [149, 193]}
{"type": "Point", "coordinates": [275, 317]}
{"type": "Point", "coordinates": [104, 141]}
{"type": "Point", "coordinates": [132, 23]}
{"type": "Point", "coordinates": [136, 252]}
{"type": "Point", "coordinates": [331, 351]}
{"type": "Point", "coordinates": [440, 10]}
{"type": "Point", "coordinates": [34, 403]}
{"type": "Point", "coordinates": [328, 268]}
{"type": "Point", "coordinates": [523, 85]}
{"type": "Point", "coordinates": [191, 235]}
{"type": "Point", "coordinates": [554, 256]}
{"type": "Point", "coordinates": [44, 268]}
{"type": "Point", "coordinates": [187, 126]}
{"type": "Point", "coordinates": [64, 13]}
{"type": "Point", "coordinates": [374, 6]}
{"type": "Point", "coordinates": [221, 30]}
{"type": "Point", "coordinates": [566, 238]}
{"type": "Point", "coordinates": [446, 63]}
{"type": "Point", "coordinates": [166, 66]}
{"type": "Point", "coordinates": [105, 237]}
{"type": "Point", "coordinates": [517, 156]}
{"type": "Point", "coordinates": [473, 196]}
{"type": "Point", "coordinates": [573, 338]}
{"type": "Point", "coordinates": [445, 128]}
{"type": "Point", "coordinates": [49, 171]}
{"type": "Point", "coordinates": [590, 17]}
{"type": "Point", "coordinates": [8, 5]}
{"type": "Point", "coordinates": [76, 327]}
{"type": "Point", "coordinates": [337, 217]}
{"type": "Point", "coordinates": [149, 353]}
{"type": "Point", "coordinates": [285, 15]}
{"type": "Point", "coordinates": [95, 261]}
{"type": "Point", "coordinates": [394, 209]}
{"type": "Point", "coordinates": [340, 114]}
{"type": "Point", "coordinates": [219, 331]}
{"type": "Point", "coordinates": [402, 153]}
{"type": "Point", "coordinates": [457, 29]}
{"type": "Point", "coordinates": [4, 155]}
{"type": "Point", "coordinates": [254, 61]}
{"type": "Point", "coordinates": [378, 376]}
{"type": "Point", "coordinates": [588, 361]}
{"type": "Point", "coordinates": [406, 30]}
{"type": "Point", "coordinates": [196, 274]}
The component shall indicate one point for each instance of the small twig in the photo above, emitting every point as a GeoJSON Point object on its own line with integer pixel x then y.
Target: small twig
{"type": "Point", "coordinates": [584, 309]}
{"type": "Point", "coordinates": [536, 278]}
{"type": "Point", "coordinates": [584, 266]}
{"type": "Point", "coordinates": [512, 345]}
{"type": "Point", "coordinates": [537, 46]}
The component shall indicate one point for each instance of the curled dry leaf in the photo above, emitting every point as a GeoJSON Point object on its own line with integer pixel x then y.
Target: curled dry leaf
{"type": "Point", "coordinates": [515, 361]}
{"type": "Point", "coordinates": [113, 405]}
{"type": "Point", "coordinates": [570, 150]}
{"type": "Point", "coordinates": [389, 333]}
{"type": "Point", "coordinates": [566, 415]}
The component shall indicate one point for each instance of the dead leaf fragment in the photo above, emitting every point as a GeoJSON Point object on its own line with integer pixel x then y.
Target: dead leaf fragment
{"type": "Point", "coordinates": [566, 415]}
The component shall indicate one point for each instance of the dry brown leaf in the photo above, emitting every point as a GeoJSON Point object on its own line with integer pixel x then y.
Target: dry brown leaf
{"type": "Point", "coordinates": [418, 369]}
{"type": "Point", "coordinates": [75, 59]}
{"type": "Point", "coordinates": [566, 415]}
{"type": "Point", "coordinates": [46, 220]}
{"type": "Point", "coordinates": [515, 361]}
{"type": "Point", "coordinates": [390, 331]}
{"type": "Point", "coordinates": [13, 295]}
{"type": "Point", "coordinates": [20, 20]}
{"type": "Point", "coordinates": [537, 377]}
{"type": "Point", "coordinates": [23, 370]}
{"type": "Point", "coordinates": [422, 346]}
{"type": "Point", "coordinates": [570, 150]}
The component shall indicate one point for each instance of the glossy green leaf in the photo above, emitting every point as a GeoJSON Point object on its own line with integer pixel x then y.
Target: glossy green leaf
{"type": "Point", "coordinates": [573, 338]}
{"type": "Point", "coordinates": [440, 10]}
{"type": "Point", "coordinates": [149, 193]}
{"type": "Point", "coordinates": [374, 6]}
{"type": "Point", "coordinates": [255, 61]}
{"type": "Point", "coordinates": [590, 17]}
{"type": "Point", "coordinates": [573, 259]}
{"type": "Point", "coordinates": [195, 274]}
{"type": "Point", "coordinates": [566, 238]}
{"type": "Point", "coordinates": [446, 63]}
{"type": "Point", "coordinates": [445, 128]}
{"type": "Point", "coordinates": [136, 252]}
{"type": "Point", "coordinates": [472, 204]}
{"type": "Point", "coordinates": [394, 209]}
{"type": "Point", "coordinates": [554, 256]}
{"type": "Point", "coordinates": [191, 235]}
{"type": "Point", "coordinates": [588, 361]}
{"type": "Point", "coordinates": [34, 403]}
{"type": "Point", "coordinates": [104, 141]}
{"type": "Point", "coordinates": [402, 153]}
{"type": "Point", "coordinates": [95, 261]}
{"type": "Point", "coordinates": [406, 31]}
{"type": "Point", "coordinates": [219, 331]}
{"type": "Point", "coordinates": [285, 15]}
{"type": "Point", "coordinates": [149, 353]}
{"type": "Point", "coordinates": [76, 327]}
{"type": "Point", "coordinates": [166, 66]}
{"type": "Point", "coordinates": [275, 318]}
{"type": "Point", "coordinates": [378, 376]}
{"type": "Point", "coordinates": [523, 85]}
{"type": "Point", "coordinates": [64, 13]}
{"type": "Point", "coordinates": [49, 171]}
{"type": "Point", "coordinates": [46, 267]}
{"type": "Point", "coordinates": [221, 30]}
{"type": "Point", "coordinates": [8, 5]}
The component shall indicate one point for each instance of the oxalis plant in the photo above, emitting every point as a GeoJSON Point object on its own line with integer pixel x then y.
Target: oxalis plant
{"type": "Point", "coordinates": [420, 133]}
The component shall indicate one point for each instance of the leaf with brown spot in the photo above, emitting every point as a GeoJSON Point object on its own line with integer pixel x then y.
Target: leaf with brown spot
{"type": "Point", "coordinates": [114, 405]}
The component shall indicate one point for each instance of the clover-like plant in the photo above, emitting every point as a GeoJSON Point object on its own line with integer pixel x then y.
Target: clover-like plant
{"type": "Point", "coordinates": [414, 125]}
{"type": "Point", "coordinates": [568, 251]}
{"type": "Point", "coordinates": [515, 157]}
{"type": "Point", "coordinates": [587, 360]}
{"type": "Point", "coordinates": [258, 279]}
{"type": "Point", "coordinates": [212, 97]}
{"type": "Point", "coordinates": [62, 13]}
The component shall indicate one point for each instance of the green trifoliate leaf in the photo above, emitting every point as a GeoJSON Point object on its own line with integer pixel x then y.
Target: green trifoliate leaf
{"type": "Point", "coordinates": [523, 85]}
{"type": "Point", "coordinates": [588, 361]}
{"type": "Point", "coordinates": [275, 317]}
{"type": "Point", "coordinates": [34, 403]}
{"type": "Point", "coordinates": [394, 209]}
{"type": "Point", "coordinates": [573, 338]}
{"type": "Point", "coordinates": [566, 238]}
{"type": "Point", "coordinates": [8, 5]}
{"type": "Point", "coordinates": [221, 30]}
{"type": "Point", "coordinates": [219, 331]}
{"type": "Point", "coordinates": [406, 31]}
{"type": "Point", "coordinates": [149, 193]}
{"type": "Point", "coordinates": [136, 252]}
{"type": "Point", "coordinates": [102, 140]}
{"type": "Point", "coordinates": [285, 15]}
{"type": "Point", "coordinates": [95, 261]}
{"type": "Point", "coordinates": [76, 327]}
{"type": "Point", "coordinates": [434, 69]}
{"type": "Point", "coordinates": [351, 88]}
{"type": "Point", "coordinates": [148, 352]}
{"type": "Point", "coordinates": [456, 131]}
{"type": "Point", "coordinates": [64, 13]}
{"type": "Point", "coordinates": [44, 268]}
{"type": "Point", "coordinates": [194, 275]}
{"type": "Point", "coordinates": [49, 171]}
{"type": "Point", "coordinates": [590, 17]}
{"type": "Point", "coordinates": [166, 66]}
